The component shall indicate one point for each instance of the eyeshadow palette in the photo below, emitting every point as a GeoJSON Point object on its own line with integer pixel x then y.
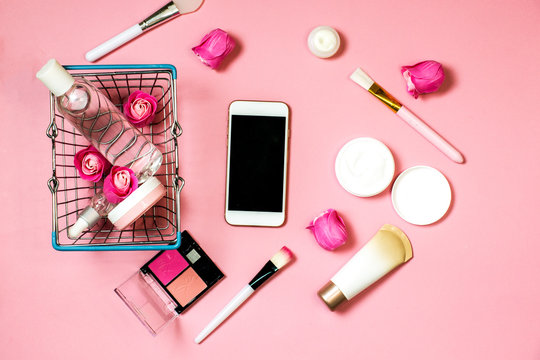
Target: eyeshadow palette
{"type": "Point", "coordinates": [169, 283]}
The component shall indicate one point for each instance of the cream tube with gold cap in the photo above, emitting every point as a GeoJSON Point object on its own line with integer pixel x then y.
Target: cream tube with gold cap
{"type": "Point", "coordinates": [388, 249]}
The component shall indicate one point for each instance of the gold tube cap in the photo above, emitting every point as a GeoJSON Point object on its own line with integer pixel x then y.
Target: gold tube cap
{"type": "Point", "coordinates": [331, 295]}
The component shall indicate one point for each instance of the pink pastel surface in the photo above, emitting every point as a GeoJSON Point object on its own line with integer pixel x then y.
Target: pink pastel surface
{"type": "Point", "coordinates": [470, 292]}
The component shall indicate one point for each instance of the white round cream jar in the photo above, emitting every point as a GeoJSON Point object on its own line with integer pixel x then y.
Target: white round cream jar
{"type": "Point", "coordinates": [324, 41]}
{"type": "Point", "coordinates": [365, 167]}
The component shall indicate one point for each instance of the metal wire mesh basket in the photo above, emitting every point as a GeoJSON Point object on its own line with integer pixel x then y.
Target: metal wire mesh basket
{"type": "Point", "coordinates": [159, 228]}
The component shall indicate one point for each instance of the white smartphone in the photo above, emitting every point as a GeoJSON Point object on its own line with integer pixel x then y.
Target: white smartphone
{"type": "Point", "coordinates": [258, 135]}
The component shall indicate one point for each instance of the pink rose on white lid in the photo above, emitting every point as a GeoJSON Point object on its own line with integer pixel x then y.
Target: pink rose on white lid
{"type": "Point", "coordinates": [119, 184]}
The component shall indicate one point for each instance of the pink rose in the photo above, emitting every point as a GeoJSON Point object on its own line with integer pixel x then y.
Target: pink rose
{"type": "Point", "coordinates": [424, 77]}
{"type": "Point", "coordinates": [140, 108]}
{"type": "Point", "coordinates": [90, 164]}
{"type": "Point", "coordinates": [329, 230]}
{"type": "Point", "coordinates": [119, 184]}
{"type": "Point", "coordinates": [214, 47]}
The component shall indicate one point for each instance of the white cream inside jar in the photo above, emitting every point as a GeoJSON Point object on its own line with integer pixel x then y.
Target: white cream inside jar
{"type": "Point", "coordinates": [365, 167]}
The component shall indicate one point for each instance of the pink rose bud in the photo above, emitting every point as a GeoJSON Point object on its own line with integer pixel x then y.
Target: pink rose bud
{"type": "Point", "coordinates": [214, 47]}
{"type": "Point", "coordinates": [140, 108]}
{"type": "Point", "coordinates": [119, 184]}
{"type": "Point", "coordinates": [90, 164]}
{"type": "Point", "coordinates": [424, 77]}
{"type": "Point", "coordinates": [329, 230]}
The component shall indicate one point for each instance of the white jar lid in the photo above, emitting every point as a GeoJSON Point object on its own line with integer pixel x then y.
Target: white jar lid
{"type": "Point", "coordinates": [365, 167]}
{"type": "Point", "coordinates": [421, 195]}
{"type": "Point", "coordinates": [137, 203]}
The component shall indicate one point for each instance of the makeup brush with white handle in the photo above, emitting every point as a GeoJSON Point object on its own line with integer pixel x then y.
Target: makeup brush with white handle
{"type": "Point", "coordinates": [279, 260]}
{"type": "Point", "coordinates": [167, 12]}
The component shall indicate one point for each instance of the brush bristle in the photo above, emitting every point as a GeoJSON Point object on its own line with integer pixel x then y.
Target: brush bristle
{"type": "Point", "coordinates": [187, 6]}
{"type": "Point", "coordinates": [360, 77]}
{"type": "Point", "coordinates": [282, 257]}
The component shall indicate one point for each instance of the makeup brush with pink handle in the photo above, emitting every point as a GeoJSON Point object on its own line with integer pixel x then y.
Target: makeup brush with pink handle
{"type": "Point", "coordinates": [167, 12]}
{"type": "Point", "coordinates": [360, 77]}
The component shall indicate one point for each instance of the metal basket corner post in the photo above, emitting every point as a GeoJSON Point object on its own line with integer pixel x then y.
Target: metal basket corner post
{"type": "Point", "coordinates": [159, 228]}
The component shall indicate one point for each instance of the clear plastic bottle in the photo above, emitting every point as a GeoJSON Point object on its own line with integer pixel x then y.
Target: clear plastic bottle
{"type": "Point", "coordinates": [105, 127]}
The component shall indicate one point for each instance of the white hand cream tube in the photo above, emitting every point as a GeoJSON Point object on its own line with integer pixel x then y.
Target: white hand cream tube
{"type": "Point", "coordinates": [388, 249]}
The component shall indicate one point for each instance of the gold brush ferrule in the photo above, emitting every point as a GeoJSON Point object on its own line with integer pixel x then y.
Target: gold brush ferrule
{"type": "Point", "coordinates": [385, 97]}
{"type": "Point", "coordinates": [167, 12]}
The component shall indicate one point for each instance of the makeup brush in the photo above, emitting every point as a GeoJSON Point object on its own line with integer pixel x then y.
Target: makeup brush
{"type": "Point", "coordinates": [167, 12]}
{"type": "Point", "coordinates": [363, 79]}
{"type": "Point", "coordinates": [279, 260]}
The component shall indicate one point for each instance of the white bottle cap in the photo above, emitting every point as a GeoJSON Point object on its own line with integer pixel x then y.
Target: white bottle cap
{"type": "Point", "coordinates": [137, 203]}
{"type": "Point", "coordinates": [365, 167]}
{"type": "Point", "coordinates": [87, 219]}
{"type": "Point", "coordinates": [55, 77]}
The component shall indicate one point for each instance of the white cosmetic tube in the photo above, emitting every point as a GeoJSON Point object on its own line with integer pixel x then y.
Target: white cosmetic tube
{"type": "Point", "coordinates": [388, 249]}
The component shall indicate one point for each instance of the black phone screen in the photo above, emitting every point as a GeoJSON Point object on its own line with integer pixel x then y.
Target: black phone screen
{"type": "Point", "coordinates": [256, 163]}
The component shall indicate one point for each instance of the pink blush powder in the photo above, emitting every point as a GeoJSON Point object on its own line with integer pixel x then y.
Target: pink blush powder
{"type": "Point", "coordinates": [168, 265]}
{"type": "Point", "coordinates": [186, 287]}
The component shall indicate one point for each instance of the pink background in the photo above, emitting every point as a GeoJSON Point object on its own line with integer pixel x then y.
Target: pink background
{"type": "Point", "coordinates": [470, 292]}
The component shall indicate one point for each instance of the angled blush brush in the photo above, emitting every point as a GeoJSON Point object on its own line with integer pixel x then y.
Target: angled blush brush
{"type": "Point", "coordinates": [169, 11]}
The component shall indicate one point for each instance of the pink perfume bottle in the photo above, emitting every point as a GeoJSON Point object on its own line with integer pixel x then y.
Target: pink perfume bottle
{"type": "Point", "coordinates": [106, 128]}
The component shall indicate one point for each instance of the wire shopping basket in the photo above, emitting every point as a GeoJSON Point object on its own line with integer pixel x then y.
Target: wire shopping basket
{"type": "Point", "coordinates": [159, 228]}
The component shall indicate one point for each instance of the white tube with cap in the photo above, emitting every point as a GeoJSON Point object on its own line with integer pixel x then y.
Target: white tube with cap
{"type": "Point", "coordinates": [388, 249]}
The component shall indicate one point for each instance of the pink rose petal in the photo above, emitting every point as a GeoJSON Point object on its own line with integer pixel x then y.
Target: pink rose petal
{"type": "Point", "coordinates": [424, 77]}
{"type": "Point", "coordinates": [329, 230]}
{"type": "Point", "coordinates": [90, 164]}
{"type": "Point", "coordinates": [214, 47]}
{"type": "Point", "coordinates": [140, 108]}
{"type": "Point", "coordinates": [119, 184]}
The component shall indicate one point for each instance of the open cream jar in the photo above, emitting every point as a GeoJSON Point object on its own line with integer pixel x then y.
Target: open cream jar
{"type": "Point", "coordinates": [365, 167]}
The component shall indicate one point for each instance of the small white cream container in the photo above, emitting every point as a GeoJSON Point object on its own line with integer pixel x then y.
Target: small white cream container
{"type": "Point", "coordinates": [324, 41]}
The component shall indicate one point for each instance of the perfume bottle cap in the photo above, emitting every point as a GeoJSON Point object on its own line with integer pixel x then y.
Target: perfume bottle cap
{"type": "Point", "coordinates": [55, 77]}
{"type": "Point", "coordinates": [137, 203]}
